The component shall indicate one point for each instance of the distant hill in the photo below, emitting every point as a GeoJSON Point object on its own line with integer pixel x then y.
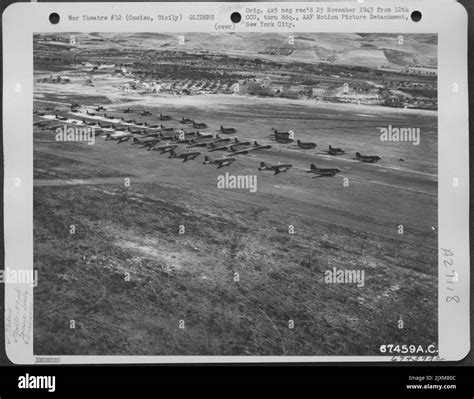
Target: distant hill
{"type": "Point", "coordinates": [364, 49]}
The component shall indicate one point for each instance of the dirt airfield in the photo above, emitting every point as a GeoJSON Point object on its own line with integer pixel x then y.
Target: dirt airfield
{"type": "Point", "coordinates": [236, 277]}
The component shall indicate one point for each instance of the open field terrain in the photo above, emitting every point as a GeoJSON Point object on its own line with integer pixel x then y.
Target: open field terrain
{"type": "Point", "coordinates": [163, 262]}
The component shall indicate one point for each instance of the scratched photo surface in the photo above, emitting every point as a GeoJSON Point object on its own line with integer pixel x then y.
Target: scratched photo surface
{"type": "Point", "coordinates": [235, 194]}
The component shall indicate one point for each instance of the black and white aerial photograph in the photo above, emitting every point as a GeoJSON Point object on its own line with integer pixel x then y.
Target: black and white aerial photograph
{"type": "Point", "coordinates": [235, 194]}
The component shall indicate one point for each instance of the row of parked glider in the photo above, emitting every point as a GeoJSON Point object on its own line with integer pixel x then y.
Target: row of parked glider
{"type": "Point", "coordinates": [152, 137]}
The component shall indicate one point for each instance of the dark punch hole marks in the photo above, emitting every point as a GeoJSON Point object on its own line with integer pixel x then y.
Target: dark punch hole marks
{"type": "Point", "coordinates": [54, 18]}
{"type": "Point", "coordinates": [415, 16]}
{"type": "Point", "coordinates": [235, 17]}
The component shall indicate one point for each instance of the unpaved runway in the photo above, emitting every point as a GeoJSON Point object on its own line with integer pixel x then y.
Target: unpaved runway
{"type": "Point", "coordinates": [374, 198]}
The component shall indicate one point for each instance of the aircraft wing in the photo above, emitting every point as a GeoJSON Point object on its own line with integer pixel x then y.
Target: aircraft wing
{"type": "Point", "coordinates": [246, 151]}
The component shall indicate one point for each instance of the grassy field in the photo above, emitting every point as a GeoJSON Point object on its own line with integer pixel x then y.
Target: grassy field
{"type": "Point", "coordinates": [191, 277]}
{"type": "Point", "coordinates": [127, 277]}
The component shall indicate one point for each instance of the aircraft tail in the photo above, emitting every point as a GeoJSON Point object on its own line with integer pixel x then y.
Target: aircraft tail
{"type": "Point", "coordinates": [262, 165]}
{"type": "Point", "coordinates": [206, 160]}
{"type": "Point", "coordinates": [357, 154]}
{"type": "Point", "coordinates": [256, 144]}
{"type": "Point", "coordinates": [330, 148]}
{"type": "Point", "coordinates": [313, 167]}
